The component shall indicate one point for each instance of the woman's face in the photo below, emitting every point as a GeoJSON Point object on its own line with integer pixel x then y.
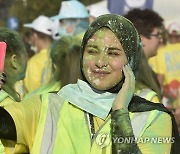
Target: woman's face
{"type": "Point", "coordinates": [103, 60]}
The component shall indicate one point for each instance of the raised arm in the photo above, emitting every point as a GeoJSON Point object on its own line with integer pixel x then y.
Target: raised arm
{"type": "Point", "coordinates": [120, 121]}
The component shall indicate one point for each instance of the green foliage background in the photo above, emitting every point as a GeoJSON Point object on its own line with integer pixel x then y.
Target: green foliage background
{"type": "Point", "coordinates": [28, 10]}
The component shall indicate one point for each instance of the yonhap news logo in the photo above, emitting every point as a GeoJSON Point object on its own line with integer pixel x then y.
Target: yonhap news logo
{"type": "Point", "coordinates": [104, 139]}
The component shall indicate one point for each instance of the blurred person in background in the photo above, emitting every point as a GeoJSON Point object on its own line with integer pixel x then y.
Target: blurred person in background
{"type": "Point", "coordinates": [173, 33]}
{"type": "Point", "coordinates": [168, 69]}
{"type": "Point", "coordinates": [15, 62]}
{"type": "Point", "coordinates": [152, 60]}
{"type": "Point", "coordinates": [95, 11]}
{"type": "Point", "coordinates": [38, 69]}
{"type": "Point", "coordinates": [73, 19]}
{"type": "Point", "coordinates": [14, 68]}
{"type": "Point", "coordinates": [167, 66]}
{"type": "Point", "coordinates": [27, 42]}
{"type": "Point", "coordinates": [148, 24]}
{"type": "Point", "coordinates": [65, 57]}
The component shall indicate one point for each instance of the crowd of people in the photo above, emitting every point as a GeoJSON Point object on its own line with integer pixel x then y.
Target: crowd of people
{"type": "Point", "coordinates": [91, 82]}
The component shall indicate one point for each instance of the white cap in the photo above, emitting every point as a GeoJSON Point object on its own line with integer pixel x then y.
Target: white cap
{"type": "Point", "coordinates": [41, 24]}
{"type": "Point", "coordinates": [95, 10]}
{"type": "Point", "coordinates": [174, 28]}
{"type": "Point", "coordinates": [71, 9]}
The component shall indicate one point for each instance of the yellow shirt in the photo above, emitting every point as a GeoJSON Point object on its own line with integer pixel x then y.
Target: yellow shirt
{"type": "Point", "coordinates": [35, 71]}
{"type": "Point", "coordinates": [27, 113]}
{"type": "Point", "coordinates": [167, 62]}
{"type": "Point", "coordinates": [26, 116]}
{"type": "Point", "coordinates": [5, 98]}
{"type": "Point", "coordinates": [153, 63]}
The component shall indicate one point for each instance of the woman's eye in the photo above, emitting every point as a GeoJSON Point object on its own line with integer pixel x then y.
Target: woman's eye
{"type": "Point", "coordinates": [113, 53]}
{"type": "Point", "coordinates": [92, 51]}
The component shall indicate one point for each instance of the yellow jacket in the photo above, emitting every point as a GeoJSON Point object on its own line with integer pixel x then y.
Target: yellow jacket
{"type": "Point", "coordinates": [60, 127]}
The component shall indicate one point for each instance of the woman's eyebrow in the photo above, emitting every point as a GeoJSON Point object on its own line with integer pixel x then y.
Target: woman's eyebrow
{"type": "Point", "coordinates": [113, 48]}
{"type": "Point", "coordinates": [107, 48]}
{"type": "Point", "coordinates": [92, 46]}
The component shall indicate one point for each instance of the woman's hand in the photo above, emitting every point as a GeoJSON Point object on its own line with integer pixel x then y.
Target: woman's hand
{"type": "Point", "coordinates": [2, 78]}
{"type": "Point", "coordinates": [125, 95]}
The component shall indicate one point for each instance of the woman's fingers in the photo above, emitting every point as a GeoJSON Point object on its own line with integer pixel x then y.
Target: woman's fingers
{"type": "Point", "coordinates": [129, 76]}
{"type": "Point", "coordinates": [2, 77]}
{"type": "Point", "coordinates": [124, 96]}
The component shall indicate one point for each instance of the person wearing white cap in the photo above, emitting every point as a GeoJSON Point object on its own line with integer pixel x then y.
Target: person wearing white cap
{"type": "Point", "coordinates": [37, 68]}
{"type": "Point", "coordinates": [173, 33]}
{"type": "Point", "coordinates": [73, 18]}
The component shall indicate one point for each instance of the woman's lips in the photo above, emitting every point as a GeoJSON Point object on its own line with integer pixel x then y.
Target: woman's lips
{"type": "Point", "coordinates": [100, 73]}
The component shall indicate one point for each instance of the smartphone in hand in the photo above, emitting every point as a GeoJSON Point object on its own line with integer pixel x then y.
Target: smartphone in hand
{"type": "Point", "coordinates": [2, 56]}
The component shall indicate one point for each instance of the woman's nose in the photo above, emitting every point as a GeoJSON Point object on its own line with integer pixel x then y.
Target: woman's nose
{"type": "Point", "coordinates": [102, 61]}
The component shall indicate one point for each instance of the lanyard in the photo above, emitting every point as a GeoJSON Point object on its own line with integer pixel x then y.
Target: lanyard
{"type": "Point", "coordinates": [90, 124]}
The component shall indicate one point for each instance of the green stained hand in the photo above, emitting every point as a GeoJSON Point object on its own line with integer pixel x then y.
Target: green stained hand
{"type": "Point", "coordinates": [124, 96]}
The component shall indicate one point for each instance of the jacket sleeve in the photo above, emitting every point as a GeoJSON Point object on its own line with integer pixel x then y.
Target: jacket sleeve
{"type": "Point", "coordinates": [121, 130]}
{"type": "Point", "coordinates": [26, 117]}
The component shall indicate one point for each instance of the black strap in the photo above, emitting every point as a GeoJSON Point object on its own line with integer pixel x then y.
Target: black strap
{"type": "Point", "coordinates": [91, 125]}
{"type": "Point", "coordinates": [139, 104]}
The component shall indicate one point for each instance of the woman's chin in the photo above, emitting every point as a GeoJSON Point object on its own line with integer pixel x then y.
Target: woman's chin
{"type": "Point", "coordinates": [101, 87]}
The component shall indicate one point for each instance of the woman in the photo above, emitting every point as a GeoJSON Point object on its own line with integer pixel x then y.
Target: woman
{"type": "Point", "coordinates": [65, 65]}
{"type": "Point", "coordinates": [95, 115]}
{"type": "Point", "coordinates": [65, 57]}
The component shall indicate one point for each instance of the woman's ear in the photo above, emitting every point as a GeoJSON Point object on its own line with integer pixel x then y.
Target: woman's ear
{"type": "Point", "coordinates": [13, 61]}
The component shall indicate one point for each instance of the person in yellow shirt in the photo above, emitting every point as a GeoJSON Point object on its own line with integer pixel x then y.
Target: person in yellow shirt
{"type": "Point", "coordinates": [38, 67]}
{"type": "Point", "coordinates": [14, 71]}
{"type": "Point", "coordinates": [148, 24]}
{"type": "Point", "coordinates": [64, 55]}
{"type": "Point", "coordinates": [167, 66]}
{"type": "Point", "coordinates": [64, 122]}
